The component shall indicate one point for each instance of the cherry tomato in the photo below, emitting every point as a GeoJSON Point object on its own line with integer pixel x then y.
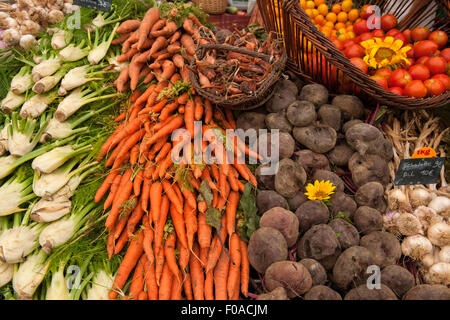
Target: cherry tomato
{"type": "Point", "coordinates": [400, 36]}
{"type": "Point", "coordinates": [392, 32]}
{"type": "Point", "coordinates": [419, 72]}
{"type": "Point", "coordinates": [408, 35]}
{"type": "Point", "coordinates": [445, 54]}
{"type": "Point", "coordinates": [378, 33]}
{"type": "Point", "coordinates": [365, 36]}
{"type": "Point", "coordinates": [349, 42]}
{"type": "Point", "coordinates": [444, 79]}
{"type": "Point", "coordinates": [420, 33]}
{"type": "Point", "coordinates": [366, 11]}
{"type": "Point", "coordinates": [396, 90]}
{"type": "Point", "coordinates": [425, 48]}
{"type": "Point", "coordinates": [440, 37]}
{"type": "Point", "coordinates": [434, 87]}
{"type": "Point", "coordinates": [360, 27]}
{"type": "Point", "coordinates": [388, 21]}
{"type": "Point", "coordinates": [381, 81]}
{"type": "Point", "coordinates": [399, 78]}
{"type": "Point", "coordinates": [422, 60]}
{"type": "Point", "coordinates": [384, 72]}
{"type": "Point", "coordinates": [354, 51]}
{"type": "Point", "coordinates": [360, 64]}
{"type": "Point", "coordinates": [416, 89]}
{"type": "Point", "coordinates": [337, 43]}
{"type": "Point", "coordinates": [436, 65]}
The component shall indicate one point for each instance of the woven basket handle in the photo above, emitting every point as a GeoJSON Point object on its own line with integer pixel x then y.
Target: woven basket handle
{"type": "Point", "coordinates": [201, 47]}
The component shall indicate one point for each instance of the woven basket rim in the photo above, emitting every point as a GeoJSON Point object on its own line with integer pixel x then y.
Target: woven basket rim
{"type": "Point", "coordinates": [341, 62]}
{"type": "Point", "coordinates": [260, 96]}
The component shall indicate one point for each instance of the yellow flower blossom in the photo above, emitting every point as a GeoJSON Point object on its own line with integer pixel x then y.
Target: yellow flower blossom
{"type": "Point", "coordinates": [381, 53]}
{"type": "Point", "coordinates": [320, 190]}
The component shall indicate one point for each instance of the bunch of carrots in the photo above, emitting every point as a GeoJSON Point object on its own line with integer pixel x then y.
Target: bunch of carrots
{"type": "Point", "coordinates": [159, 210]}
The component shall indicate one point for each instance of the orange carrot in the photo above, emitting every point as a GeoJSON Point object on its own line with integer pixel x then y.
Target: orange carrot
{"type": "Point", "coordinates": [105, 186]}
{"type": "Point", "coordinates": [185, 74]}
{"type": "Point", "coordinates": [159, 265]}
{"type": "Point", "coordinates": [221, 276]}
{"type": "Point", "coordinates": [204, 252]}
{"type": "Point", "coordinates": [159, 232]}
{"type": "Point", "coordinates": [188, 43]}
{"type": "Point", "coordinates": [148, 239]}
{"type": "Point", "coordinates": [177, 287]}
{"type": "Point", "coordinates": [125, 189]}
{"type": "Point", "coordinates": [121, 242]}
{"type": "Point", "coordinates": [230, 118]}
{"type": "Point", "coordinates": [188, 26]}
{"type": "Point", "coordinates": [187, 287]}
{"type": "Point", "coordinates": [144, 96]}
{"type": "Point", "coordinates": [112, 193]}
{"type": "Point", "coordinates": [209, 286]}
{"type": "Point", "coordinates": [165, 286]}
{"type": "Point", "coordinates": [122, 80]}
{"type": "Point", "coordinates": [169, 254]}
{"type": "Point", "coordinates": [183, 256]}
{"type": "Point", "coordinates": [121, 117]}
{"type": "Point", "coordinates": [137, 282]}
{"type": "Point", "coordinates": [233, 282]}
{"type": "Point", "coordinates": [127, 55]}
{"type": "Point", "coordinates": [178, 60]}
{"type": "Point", "coordinates": [150, 279]}
{"type": "Point", "coordinates": [110, 245]}
{"type": "Point", "coordinates": [168, 109]}
{"type": "Point", "coordinates": [174, 124]}
{"type": "Point", "coordinates": [164, 165]}
{"type": "Point", "coordinates": [173, 197]}
{"type": "Point", "coordinates": [142, 295]}
{"type": "Point", "coordinates": [178, 223]}
{"type": "Point", "coordinates": [123, 219]}
{"type": "Point", "coordinates": [128, 26]}
{"type": "Point", "coordinates": [202, 206]}
{"type": "Point", "coordinates": [129, 261]}
{"type": "Point", "coordinates": [189, 117]}
{"type": "Point", "coordinates": [150, 18]}
{"type": "Point", "coordinates": [134, 219]}
{"type": "Point", "coordinates": [175, 37]}
{"type": "Point", "coordinates": [233, 202]}
{"type": "Point", "coordinates": [121, 39]}
{"type": "Point", "coordinates": [145, 194]}
{"type": "Point", "coordinates": [198, 112]}
{"type": "Point", "coordinates": [190, 218]}
{"type": "Point", "coordinates": [204, 231]}
{"type": "Point", "coordinates": [197, 277]}
{"type": "Point", "coordinates": [245, 267]}
{"type": "Point", "coordinates": [137, 182]}
{"type": "Point", "coordinates": [155, 201]}
{"type": "Point", "coordinates": [208, 111]}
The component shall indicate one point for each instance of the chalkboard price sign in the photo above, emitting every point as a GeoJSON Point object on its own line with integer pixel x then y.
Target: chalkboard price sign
{"type": "Point", "coordinates": [102, 5]}
{"type": "Point", "coordinates": [418, 171]}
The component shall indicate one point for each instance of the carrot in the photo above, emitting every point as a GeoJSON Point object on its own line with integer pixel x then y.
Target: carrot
{"type": "Point", "coordinates": [120, 117]}
{"type": "Point", "coordinates": [175, 293]}
{"type": "Point", "coordinates": [173, 48]}
{"type": "Point", "coordinates": [174, 124]}
{"type": "Point", "coordinates": [233, 202]}
{"type": "Point", "coordinates": [112, 193]}
{"type": "Point", "coordinates": [215, 199]}
{"type": "Point", "coordinates": [190, 218]}
{"type": "Point", "coordinates": [160, 262]}
{"type": "Point", "coordinates": [159, 232]}
{"type": "Point", "coordinates": [245, 267]}
{"type": "Point", "coordinates": [137, 282]}
{"type": "Point", "coordinates": [106, 146]}
{"type": "Point", "coordinates": [217, 245]}
{"type": "Point", "coordinates": [155, 201]}
{"type": "Point", "coordinates": [123, 219]}
{"type": "Point", "coordinates": [235, 253]}
{"type": "Point", "coordinates": [121, 242]}
{"type": "Point", "coordinates": [188, 26]}
{"type": "Point", "coordinates": [158, 25]}
{"type": "Point", "coordinates": [150, 279]}
{"type": "Point", "coordinates": [183, 256]}
{"type": "Point", "coordinates": [187, 287]}
{"type": "Point", "coordinates": [121, 82]}
{"type": "Point", "coordinates": [165, 286]}
{"type": "Point", "coordinates": [134, 154]}
{"type": "Point", "coordinates": [208, 111]}
{"type": "Point", "coordinates": [148, 239]}
{"type": "Point", "coordinates": [204, 252]}
{"type": "Point", "coordinates": [130, 41]}
{"type": "Point", "coordinates": [168, 70]}
{"type": "Point", "coordinates": [165, 149]}
{"type": "Point", "coordinates": [185, 75]}
{"type": "Point", "coordinates": [118, 161]}
{"type": "Point", "coordinates": [178, 60]}
{"type": "Point", "coordinates": [159, 43]}
{"type": "Point", "coordinates": [105, 186]}
{"type": "Point", "coordinates": [125, 189]}
{"type": "Point", "coordinates": [221, 276]}
{"type": "Point", "coordinates": [230, 118]}
{"type": "Point", "coordinates": [134, 68]}
{"type": "Point", "coordinates": [145, 194]}
{"type": "Point", "coordinates": [142, 98]}
{"type": "Point", "coordinates": [168, 109]}
{"type": "Point", "coordinates": [233, 282]}
{"type": "Point", "coordinates": [169, 254]}
{"type": "Point", "coordinates": [173, 197]}
{"type": "Point", "coordinates": [202, 206]}
{"type": "Point", "coordinates": [127, 55]}
{"type": "Point", "coordinates": [175, 37]}
{"type": "Point", "coordinates": [195, 19]}
{"type": "Point", "coordinates": [189, 117]}
{"type": "Point", "coordinates": [150, 18]}
{"type": "Point", "coordinates": [128, 26]}
{"type": "Point", "coordinates": [129, 261]}
{"type": "Point", "coordinates": [198, 110]}
{"type": "Point", "coordinates": [178, 223]}
{"type": "Point", "coordinates": [164, 165]}
{"type": "Point", "coordinates": [133, 126]}
{"type": "Point", "coordinates": [197, 277]}
{"type": "Point", "coordinates": [183, 99]}
{"type": "Point", "coordinates": [134, 219]}
{"type": "Point", "coordinates": [121, 39]}
{"type": "Point", "coordinates": [206, 176]}
{"type": "Point", "coordinates": [209, 286]}
{"type": "Point", "coordinates": [167, 31]}
{"type": "Point", "coordinates": [142, 295]}
{"type": "Point", "coordinates": [110, 245]}
{"type": "Point", "coordinates": [204, 231]}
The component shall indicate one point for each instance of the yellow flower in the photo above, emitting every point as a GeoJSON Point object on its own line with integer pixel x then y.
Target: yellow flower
{"type": "Point", "coordinates": [319, 190]}
{"type": "Point", "coordinates": [382, 53]}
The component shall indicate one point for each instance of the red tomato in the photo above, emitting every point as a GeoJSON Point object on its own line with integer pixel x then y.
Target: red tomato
{"type": "Point", "coordinates": [388, 21]}
{"type": "Point", "coordinates": [360, 27]}
{"type": "Point", "coordinates": [366, 11]}
{"type": "Point", "coordinates": [425, 48]}
{"type": "Point", "coordinates": [435, 87]}
{"type": "Point", "coordinates": [384, 72]}
{"type": "Point", "coordinates": [415, 89]}
{"type": "Point", "coordinates": [354, 51]}
{"type": "Point", "coordinates": [440, 37]}
{"type": "Point", "coordinates": [392, 32]}
{"type": "Point", "coordinates": [410, 53]}
{"type": "Point", "coordinates": [348, 43]}
{"type": "Point", "coordinates": [360, 64]}
{"type": "Point", "coordinates": [436, 65]}
{"type": "Point", "coordinates": [419, 72]}
{"type": "Point", "coordinates": [410, 64]}
{"type": "Point", "coordinates": [445, 54]}
{"type": "Point", "coordinates": [381, 81]}
{"type": "Point", "coordinates": [420, 33]}
{"type": "Point", "coordinates": [422, 60]}
{"type": "Point", "coordinates": [408, 35]}
{"type": "Point", "coordinates": [444, 79]}
{"type": "Point", "coordinates": [400, 36]}
{"type": "Point", "coordinates": [378, 33]}
{"type": "Point", "coordinates": [396, 90]}
{"type": "Point", "coordinates": [337, 43]}
{"type": "Point", "coordinates": [365, 36]}
{"type": "Point", "coordinates": [399, 78]}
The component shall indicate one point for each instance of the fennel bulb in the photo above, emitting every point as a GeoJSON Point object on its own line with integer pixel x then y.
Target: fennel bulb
{"type": "Point", "coordinates": [51, 210]}
{"type": "Point", "coordinates": [21, 81]}
{"type": "Point", "coordinates": [30, 275]}
{"type": "Point", "coordinates": [21, 136]}
{"type": "Point", "coordinates": [98, 52]}
{"type": "Point", "coordinates": [16, 243]}
{"type": "Point", "coordinates": [61, 39]}
{"type": "Point", "coordinates": [45, 68]}
{"type": "Point", "coordinates": [4, 139]}
{"type": "Point", "coordinates": [7, 165]}
{"type": "Point", "coordinates": [6, 273]}
{"type": "Point", "coordinates": [12, 101]}
{"type": "Point", "coordinates": [58, 289]}
{"type": "Point", "coordinates": [50, 161]}
{"type": "Point", "coordinates": [47, 83]}
{"type": "Point", "coordinates": [75, 78]}
{"type": "Point", "coordinates": [73, 53]}
{"type": "Point", "coordinates": [13, 194]}
{"type": "Point", "coordinates": [36, 105]}
{"type": "Point", "coordinates": [56, 130]}
{"type": "Point", "coordinates": [101, 285]}
{"type": "Point", "coordinates": [57, 233]}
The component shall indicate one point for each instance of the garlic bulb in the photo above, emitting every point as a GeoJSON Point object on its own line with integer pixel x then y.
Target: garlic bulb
{"type": "Point", "coordinates": [419, 197]}
{"type": "Point", "coordinates": [439, 273]}
{"type": "Point", "coordinates": [427, 216]}
{"type": "Point", "coordinates": [409, 225]}
{"type": "Point", "coordinates": [416, 246]}
{"type": "Point", "coordinates": [444, 254]}
{"type": "Point", "coordinates": [441, 205]}
{"type": "Point", "coordinates": [397, 200]}
{"type": "Point", "coordinates": [27, 41]}
{"type": "Point", "coordinates": [439, 234]}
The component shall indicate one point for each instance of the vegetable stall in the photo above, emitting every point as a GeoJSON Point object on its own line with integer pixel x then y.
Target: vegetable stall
{"type": "Point", "coordinates": [158, 157]}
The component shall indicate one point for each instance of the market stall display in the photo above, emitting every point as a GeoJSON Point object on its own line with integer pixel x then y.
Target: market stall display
{"type": "Point", "coordinates": [122, 157]}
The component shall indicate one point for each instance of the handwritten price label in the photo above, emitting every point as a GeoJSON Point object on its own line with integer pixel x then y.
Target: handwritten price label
{"type": "Point", "coordinates": [418, 171]}
{"type": "Point", "coordinates": [425, 152]}
{"type": "Point", "coordinates": [102, 5]}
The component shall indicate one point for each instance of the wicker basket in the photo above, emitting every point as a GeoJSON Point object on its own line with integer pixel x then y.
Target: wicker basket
{"type": "Point", "coordinates": [314, 57]}
{"type": "Point", "coordinates": [263, 93]}
{"type": "Point", "coordinates": [212, 6]}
